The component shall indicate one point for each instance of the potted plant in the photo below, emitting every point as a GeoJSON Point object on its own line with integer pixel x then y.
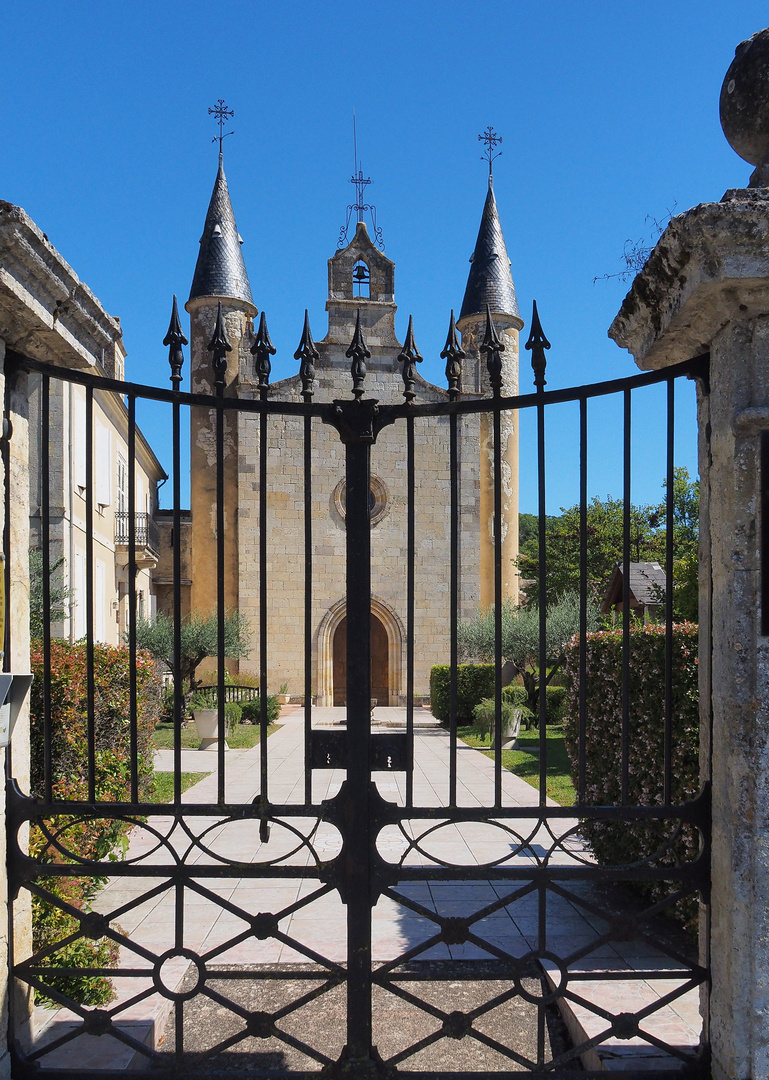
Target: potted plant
{"type": "Point", "coordinates": [205, 713]}
{"type": "Point", "coordinates": [283, 694]}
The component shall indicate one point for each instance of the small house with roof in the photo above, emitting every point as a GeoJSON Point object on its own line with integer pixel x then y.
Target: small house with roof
{"type": "Point", "coordinates": [646, 590]}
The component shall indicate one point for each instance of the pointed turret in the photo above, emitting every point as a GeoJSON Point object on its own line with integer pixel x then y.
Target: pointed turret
{"type": "Point", "coordinates": [489, 323]}
{"type": "Point", "coordinates": [220, 269]}
{"type": "Point", "coordinates": [490, 281]}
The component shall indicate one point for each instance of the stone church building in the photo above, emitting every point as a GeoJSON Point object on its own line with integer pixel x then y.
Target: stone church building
{"type": "Point", "coordinates": [361, 286]}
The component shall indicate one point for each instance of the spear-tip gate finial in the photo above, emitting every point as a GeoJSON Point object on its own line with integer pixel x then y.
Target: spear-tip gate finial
{"type": "Point", "coordinates": [493, 345]}
{"type": "Point", "coordinates": [174, 339]}
{"type": "Point", "coordinates": [219, 346]}
{"type": "Point", "coordinates": [537, 344]}
{"type": "Point", "coordinates": [409, 356]}
{"type": "Point", "coordinates": [453, 354]}
{"type": "Point", "coordinates": [262, 350]}
{"type": "Point", "coordinates": [308, 354]}
{"type": "Point", "coordinates": [358, 353]}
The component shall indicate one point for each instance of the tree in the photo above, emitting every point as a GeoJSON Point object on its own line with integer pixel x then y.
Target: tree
{"type": "Point", "coordinates": [605, 545]}
{"type": "Point", "coordinates": [58, 592]}
{"type": "Point", "coordinates": [686, 536]}
{"type": "Point", "coordinates": [198, 639]}
{"type": "Point", "coordinates": [521, 637]}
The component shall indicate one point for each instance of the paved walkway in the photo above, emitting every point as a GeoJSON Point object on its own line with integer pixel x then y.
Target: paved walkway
{"type": "Point", "coordinates": [214, 928]}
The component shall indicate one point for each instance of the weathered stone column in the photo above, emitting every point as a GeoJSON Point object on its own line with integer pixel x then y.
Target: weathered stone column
{"type": "Point", "coordinates": [705, 289]}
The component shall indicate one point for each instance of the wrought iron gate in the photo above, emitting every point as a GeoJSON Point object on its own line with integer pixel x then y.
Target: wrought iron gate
{"type": "Point", "coordinates": [472, 941]}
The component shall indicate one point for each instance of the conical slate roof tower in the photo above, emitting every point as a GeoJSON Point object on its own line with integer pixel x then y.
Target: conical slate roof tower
{"type": "Point", "coordinates": [220, 269]}
{"type": "Point", "coordinates": [490, 281]}
{"type": "Point", "coordinates": [490, 295]}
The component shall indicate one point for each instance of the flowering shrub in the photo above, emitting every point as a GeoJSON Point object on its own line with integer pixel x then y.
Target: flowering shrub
{"type": "Point", "coordinates": [90, 839]}
{"type": "Point", "coordinates": [620, 843]}
{"type": "Point", "coordinates": [474, 682]}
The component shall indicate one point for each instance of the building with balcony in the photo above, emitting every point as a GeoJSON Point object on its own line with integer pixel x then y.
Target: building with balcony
{"type": "Point", "coordinates": [48, 314]}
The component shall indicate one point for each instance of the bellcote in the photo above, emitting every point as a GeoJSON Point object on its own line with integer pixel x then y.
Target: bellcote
{"type": "Point", "coordinates": [361, 278]}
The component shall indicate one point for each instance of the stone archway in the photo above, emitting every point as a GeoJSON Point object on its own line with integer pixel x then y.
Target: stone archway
{"type": "Point", "coordinates": [387, 655]}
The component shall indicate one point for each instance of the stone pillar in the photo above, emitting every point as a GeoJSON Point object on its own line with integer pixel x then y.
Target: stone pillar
{"type": "Point", "coordinates": [472, 329]}
{"type": "Point", "coordinates": [15, 480]}
{"type": "Point", "coordinates": [238, 325]}
{"type": "Point", "coordinates": [705, 289]}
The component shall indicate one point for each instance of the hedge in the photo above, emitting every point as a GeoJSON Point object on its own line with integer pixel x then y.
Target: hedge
{"type": "Point", "coordinates": [474, 682]}
{"type": "Point", "coordinates": [618, 844]}
{"type": "Point", "coordinates": [92, 839]}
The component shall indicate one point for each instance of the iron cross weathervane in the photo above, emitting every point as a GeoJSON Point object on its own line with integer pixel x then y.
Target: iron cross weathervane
{"type": "Point", "coordinates": [360, 206]}
{"type": "Point", "coordinates": [221, 111]}
{"type": "Point", "coordinates": [491, 139]}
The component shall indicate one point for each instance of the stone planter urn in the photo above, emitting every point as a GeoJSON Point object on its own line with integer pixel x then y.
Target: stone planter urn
{"type": "Point", "coordinates": [510, 731]}
{"type": "Point", "coordinates": [207, 727]}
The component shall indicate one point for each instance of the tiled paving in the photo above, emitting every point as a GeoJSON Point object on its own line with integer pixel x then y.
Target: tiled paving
{"type": "Point", "coordinates": [214, 929]}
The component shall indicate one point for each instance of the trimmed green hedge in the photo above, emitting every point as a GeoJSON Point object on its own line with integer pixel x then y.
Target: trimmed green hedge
{"type": "Point", "coordinates": [474, 683]}
{"type": "Point", "coordinates": [620, 843]}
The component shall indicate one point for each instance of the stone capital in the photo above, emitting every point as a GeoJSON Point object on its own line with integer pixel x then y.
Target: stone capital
{"type": "Point", "coordinates": [710, 265]}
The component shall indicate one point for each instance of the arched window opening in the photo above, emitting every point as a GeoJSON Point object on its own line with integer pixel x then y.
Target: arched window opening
{"type": "Point", "coordinates": [361, 280]}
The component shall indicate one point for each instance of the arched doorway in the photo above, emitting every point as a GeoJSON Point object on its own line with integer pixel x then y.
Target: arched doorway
{"type": "Point", "coordinates": [380, 663]}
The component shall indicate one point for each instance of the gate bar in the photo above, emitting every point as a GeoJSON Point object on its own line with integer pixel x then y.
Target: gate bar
{"type": "Point", "coordinates": [358, 884]}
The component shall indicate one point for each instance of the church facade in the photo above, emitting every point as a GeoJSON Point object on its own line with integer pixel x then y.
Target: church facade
{"type": "Point", "coordinates": [361, 297]}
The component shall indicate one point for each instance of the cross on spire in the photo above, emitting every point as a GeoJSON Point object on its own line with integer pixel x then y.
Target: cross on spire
{"type": "Point", "coordinates": [221, 112]}
{"type": "Point", "coordinates": [360, 206]}
{"type": "Point", "coordinates": [491, 139]}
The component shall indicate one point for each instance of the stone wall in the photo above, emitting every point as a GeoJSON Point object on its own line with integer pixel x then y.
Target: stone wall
{"type": "Point", "coordinates": [389, 555]}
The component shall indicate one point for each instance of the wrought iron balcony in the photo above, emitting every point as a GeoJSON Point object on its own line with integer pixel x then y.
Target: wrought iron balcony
{"type": "Point", "coordinates": [146, 538]}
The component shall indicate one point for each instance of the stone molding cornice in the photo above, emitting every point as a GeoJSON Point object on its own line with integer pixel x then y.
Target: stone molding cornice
{"type": "Point", "coordinates": [709, 263]}
{"type": "Point", "coordinates": [46, 312]}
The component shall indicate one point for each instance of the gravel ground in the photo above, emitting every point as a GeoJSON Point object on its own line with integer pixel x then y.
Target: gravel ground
{"type": "Point", "coordinates": [320, 1023]}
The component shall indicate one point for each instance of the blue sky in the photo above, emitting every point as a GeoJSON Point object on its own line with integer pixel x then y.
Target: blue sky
{"type": "Point", "coordinates": [608, 113]}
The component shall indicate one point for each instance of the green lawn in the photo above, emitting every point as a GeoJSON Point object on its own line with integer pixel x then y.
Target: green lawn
{"type": "Point", "coordinates": [243, 738]}
{"type": "Point", "coordinates": [525, 762]}
{"type": "Point", "coordinates": [163, 791]}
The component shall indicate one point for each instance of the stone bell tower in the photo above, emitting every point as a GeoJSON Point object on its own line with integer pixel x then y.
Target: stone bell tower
{"type": "Point", "coordinates": [490, 288]}
{"type": "Point", "coordinates": [220, 276]}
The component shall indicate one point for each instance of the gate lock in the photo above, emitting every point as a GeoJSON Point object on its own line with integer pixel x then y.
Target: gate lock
{"type": "Point", "coordinates": [389, 750]}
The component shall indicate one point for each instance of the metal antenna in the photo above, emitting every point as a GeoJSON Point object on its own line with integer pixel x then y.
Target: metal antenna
{"type": "Point", "coordinates": [221, 111]}
{"type": "Point", "coordinates": [491, 139]}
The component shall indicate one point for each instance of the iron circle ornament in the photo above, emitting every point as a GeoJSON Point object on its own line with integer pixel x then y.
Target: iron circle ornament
{"type": "Point", "coordinates": [179, 954]}
{"type": "Point", "coordinates": [531, 967]}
